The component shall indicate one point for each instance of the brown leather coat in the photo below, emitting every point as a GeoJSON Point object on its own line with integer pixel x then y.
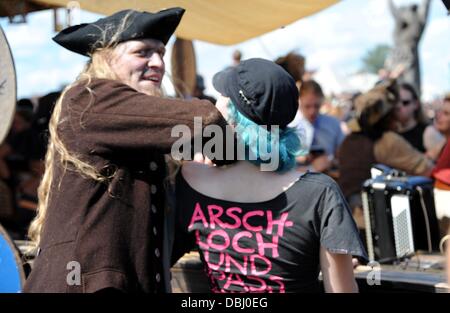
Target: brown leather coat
{"type": "Point", "coordinates": [114, 230]}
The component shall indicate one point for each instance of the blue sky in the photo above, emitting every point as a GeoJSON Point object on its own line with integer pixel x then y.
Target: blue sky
{"type": "Point", "coordinates": [333, 41]}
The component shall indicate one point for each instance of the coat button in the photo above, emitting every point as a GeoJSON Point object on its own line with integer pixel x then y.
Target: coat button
{"type": "Point", "coordinates": [158, 277]}
{"type": "Point", "coordinates": [157, 253]}
{"type": "Point", "coordinates": [153, 189]}
{"type": "Point", "coordinates": [153, 166]}
{"type": "Point", "coordinates": [153, 209]}
{"type": "Point", "coordinates": [155, 231]}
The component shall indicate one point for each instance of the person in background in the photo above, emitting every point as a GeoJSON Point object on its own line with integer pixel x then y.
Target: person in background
{"type": "Point", "coordinates": [443, 126]}
{"type": "Point", "coordinates": [411, 118]}
{"type": "Point", "coordinates": [433, 141]}
{"type": "Point", "coordinates": [294, 64]}
{"type": "Point", "coordinates": [441, 172]}
{"type": "Point", "coordinates": [323, 133]}
{"type": "Point", "coordinates": [21, 169]}
{"type": "Point", "coordinates": [41, 121]}
{"type": "Point", "coordinates": [373, 141]}
{"type": "Point", "coordinates": [200, 88]}
{"type": "Point", "coordinates": [236, 57]}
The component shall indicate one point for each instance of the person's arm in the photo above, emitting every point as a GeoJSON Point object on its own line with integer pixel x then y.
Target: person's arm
{"type": "Point", "coordinates": [116, 118]}
{"type": "Point", "coordinates": [434, 152]}
{"type": "Point", "coordinates": [394, 151]}
{"type": "Point", "coordinates": [337, 272]}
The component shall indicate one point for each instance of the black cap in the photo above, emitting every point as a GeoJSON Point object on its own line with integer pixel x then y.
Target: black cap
{"type": "Point", "coordinates": [83, 38]}
{"type": "Point", "coordinates": [261, 90]}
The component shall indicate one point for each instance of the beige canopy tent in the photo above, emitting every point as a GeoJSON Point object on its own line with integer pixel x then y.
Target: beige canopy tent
{"type": "Point", "coordinates": [223, 22]}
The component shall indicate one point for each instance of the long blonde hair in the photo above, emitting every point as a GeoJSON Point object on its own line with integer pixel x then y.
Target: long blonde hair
{"type": "Point", "coordinates": [97, 67]}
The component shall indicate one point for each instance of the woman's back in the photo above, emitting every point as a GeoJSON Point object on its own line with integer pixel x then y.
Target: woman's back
{"type": "Point", "coordinates": [228, 182]}
{"type": "Point", "coordinates": [260, 231]}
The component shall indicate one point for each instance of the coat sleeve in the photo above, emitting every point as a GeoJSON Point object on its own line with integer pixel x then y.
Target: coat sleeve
{"type": "Point", "coordinates": [396, 152]}
{"type": "Point", "coordinates": [109, 116]}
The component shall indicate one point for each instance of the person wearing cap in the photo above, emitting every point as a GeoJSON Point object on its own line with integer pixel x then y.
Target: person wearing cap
{"type": "Point", "coordinates": [374, 138]}
{"type": "Point", "coordinates": [259, 229]}
{"type": "Point", "coordinates": [100, 225]}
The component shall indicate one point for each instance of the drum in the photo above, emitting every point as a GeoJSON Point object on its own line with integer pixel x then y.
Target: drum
{"type": "Point", "coordinates": [7, 87]}
{"type": "Point", "coordinates": [12, 274]}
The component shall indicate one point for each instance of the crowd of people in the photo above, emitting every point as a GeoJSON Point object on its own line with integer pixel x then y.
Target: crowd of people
{"type": "Point", "coordinates": [21, 163]}
{"type": "Point", "coordinates": [110, 198]}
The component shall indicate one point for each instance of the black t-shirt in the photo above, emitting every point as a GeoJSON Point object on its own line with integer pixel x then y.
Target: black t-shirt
{"type": "Point", "coordinates": [415, 136]}
{"type": "Point", "coordinates": [270, 246]}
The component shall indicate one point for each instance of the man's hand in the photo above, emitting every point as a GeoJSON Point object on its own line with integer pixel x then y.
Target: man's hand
{"type": "Point", "coordinates": [200, 158]}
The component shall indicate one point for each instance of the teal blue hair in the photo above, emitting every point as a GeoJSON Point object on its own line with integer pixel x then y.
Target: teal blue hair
{"type": "Point", "coordinates": [250, 133]}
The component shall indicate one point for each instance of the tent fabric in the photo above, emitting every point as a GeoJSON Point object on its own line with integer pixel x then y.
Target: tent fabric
{"type": "Point", "coordinates": [223, 22]}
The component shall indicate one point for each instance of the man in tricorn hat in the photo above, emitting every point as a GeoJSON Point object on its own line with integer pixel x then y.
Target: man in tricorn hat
{"type": "Point", "coordinates": [100, 223]}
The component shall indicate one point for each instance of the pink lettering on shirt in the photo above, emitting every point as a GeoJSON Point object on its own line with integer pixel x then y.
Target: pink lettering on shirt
{"type": "Point", "coordinates": [247, 216]}
{"type": "Point", "coordinates": [280, 223]}
{"type": "Point", "coordinates": [235, 242]}
{"type": "Point", "coordinates": [220, 233]}
{"type": "Point", "coordinates": [262, 246]}
{"type": "Point", "coordinates": [230, 212]}
{"type": "Point", "coordinates": [198, 216]}
{"type": "Point", "coordinates": [243, 249]}
{"type": "Point", "coordinates": [215, 212]}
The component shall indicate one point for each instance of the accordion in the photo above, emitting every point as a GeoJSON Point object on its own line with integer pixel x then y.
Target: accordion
{"type": "Point", "coordinates": [400, 217]}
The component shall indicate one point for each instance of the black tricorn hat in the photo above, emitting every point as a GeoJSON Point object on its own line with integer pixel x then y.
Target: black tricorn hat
{"type": "Point", "coordinates": [85, 38]}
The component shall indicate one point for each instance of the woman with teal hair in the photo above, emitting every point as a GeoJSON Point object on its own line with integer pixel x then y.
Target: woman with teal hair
{"type": "Point", "coordinates": [260, 225]}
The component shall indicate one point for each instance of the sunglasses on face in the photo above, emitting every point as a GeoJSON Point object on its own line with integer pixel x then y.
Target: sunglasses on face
{"type": "Point", "coordinates": [405, 103]}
